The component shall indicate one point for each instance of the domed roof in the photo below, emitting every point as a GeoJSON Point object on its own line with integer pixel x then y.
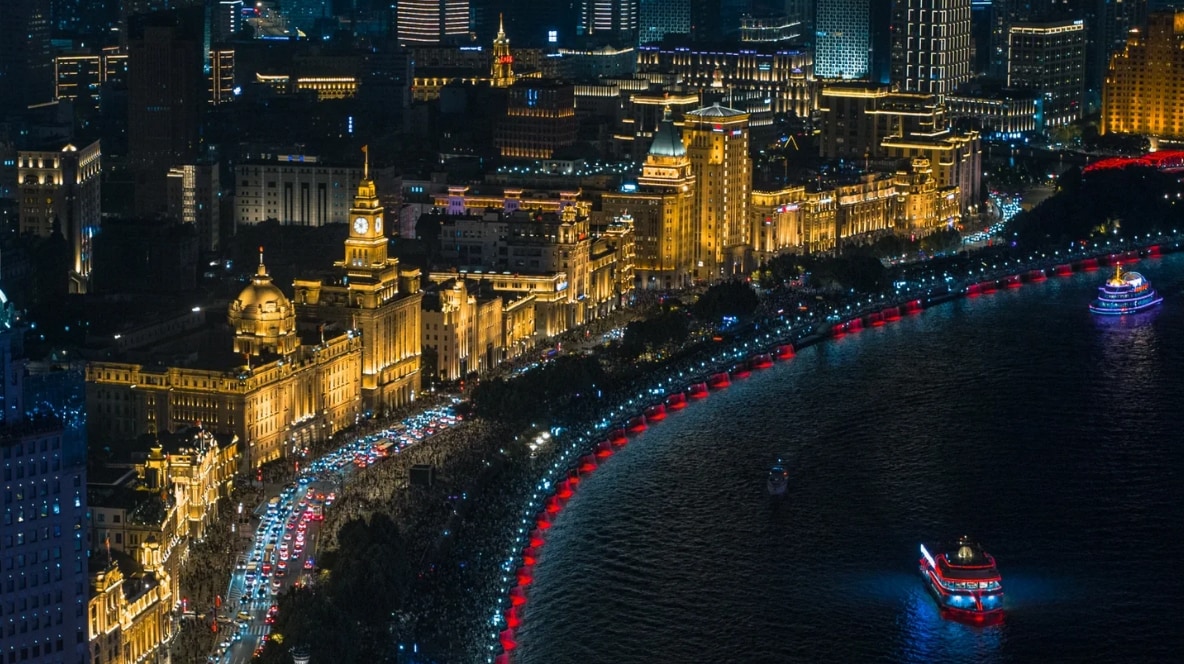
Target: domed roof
{"type": "Point", "coordinates": [667, 142]}
{"type": "Point", "coordinates": [261, 300]}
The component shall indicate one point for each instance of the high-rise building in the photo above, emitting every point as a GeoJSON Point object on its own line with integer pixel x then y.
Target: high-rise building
{"type": "Point", "coordinates": [1050, 59]}
{"type": "Point", "coordinates": [166, 93]}
{"type": "Point", "coordinates": [842, 44]}
{"type": "Point", "coordinates": [931, 45]}
{"type": "Point", "coordinates": [432, 21]}
{"type": "Point", "coordinates": [81, 77]}
{"type": "Point", "coordinates": [228, 19]}
{"type": "Point", "coordinates": [540, 119]}
{"type": "Point", "coordinates": [368, 291]}
{"type": "Point", "coordinates": [194, 194]}
{"type": "Point", "coordinates": [221, 76]}
{"type": "Point", "coordinates": [662, 211]}
{"type": "Point", "coordinates": [44, 533]}
{"type": "Point", "coordinates": [716, 139]}
{"type": "Point", "coordinates": [60, 192]}
{"type": "Point", "coordinates": [26, 61]}
{"type": "Point", "coordinates": [663, 17]}
{"type": "Point", "coordinates": [501, 71]}
{"type": "Point", "coordinates": [1142, 93]}
{"type": "Point", "coordinates": [609, 21]}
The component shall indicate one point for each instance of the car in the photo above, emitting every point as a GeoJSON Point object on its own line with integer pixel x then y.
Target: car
{"type": "Point", "coordinates": [282, 565]}
{"type": "Point", "coordinates": [308, 564]}
{"type": "Point", "coordinates": [287, 537]}
{"type": "Point", "coordinates": [243, 615]}
{"type": "Point", "coordinates": [226, 644]}
{"type": "Point", "coordinates": [269, 620]}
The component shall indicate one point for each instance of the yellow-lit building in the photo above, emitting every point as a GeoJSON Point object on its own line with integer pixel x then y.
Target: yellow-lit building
{"type": "Point", "coordinates": [501, 74]}
{"type": "Point", "coordinates": [922, 206]}
{"type": "Point", "coordinates": [1142, 93]}
{"type": "Point", "coordinates": [129, 614]}
{"type": "Point", "coordinates": [551, 303]}
{"type": "Point", "coordinates": [540, 119]}
{"type": "Point", "coordinates": [662, 212]}
{"type": "Point", "coordinates": [463, 325]}
{"type": "Point", "coordinates": [611, 269]}
{"type": "Point", "coordinates": [716, 140]}
{"type": "Point", "coordinates": [460, 199]}
{"type": "Point", "coordinates": [518, 327]}
{"type": "Point", "coordinates": [275, 392]}
{"type": "Point", "coordinates": [370, 293]}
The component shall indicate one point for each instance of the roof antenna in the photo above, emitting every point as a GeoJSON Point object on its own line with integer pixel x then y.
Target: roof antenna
{"type": "Point", "coordinates": [366, 162]}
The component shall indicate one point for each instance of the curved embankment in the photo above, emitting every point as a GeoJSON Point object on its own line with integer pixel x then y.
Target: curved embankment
{"type": "Point", "coordinates": [548, 505]}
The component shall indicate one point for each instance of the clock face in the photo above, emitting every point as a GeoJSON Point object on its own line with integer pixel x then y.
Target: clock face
{"type": "Point", "coordinates": [378, 224]}
{"type": "Point", "coordinates": [360, 225]}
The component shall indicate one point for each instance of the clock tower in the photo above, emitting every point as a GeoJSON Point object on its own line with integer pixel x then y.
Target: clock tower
{"type": "Point", "coordinates": [366, 246]}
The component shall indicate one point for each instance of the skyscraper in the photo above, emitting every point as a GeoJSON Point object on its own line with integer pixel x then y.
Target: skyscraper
{"type": "Point", "coordinates": [26, 61]}
{"type": "Point", "coordinates": [610, 21]}
{"type": "Point", "coordinates": [44, 581]}
{"type": "Point", "coordinates": [716, 140]}
{"type": "Point", "coordinates": [842, 39]}
{"type": "Point", "coordinates": [931, 45]}
{"type": "Point", "coordinates": [1142, 94]}
{"type": "Point", "coordinates": [664, 17]}
{"type": "Point", "coordinates": [432, 21]}
{"type": "Point", "coordinates": [1049, 58]}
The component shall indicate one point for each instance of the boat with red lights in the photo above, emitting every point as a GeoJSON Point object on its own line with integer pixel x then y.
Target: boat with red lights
{"type": "Point", "coordinates": [1124, 293]}
{"type": "Point", "coordinates": [965, 581]}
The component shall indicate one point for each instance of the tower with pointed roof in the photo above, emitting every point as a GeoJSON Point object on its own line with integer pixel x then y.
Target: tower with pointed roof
{"type": "Point", "coordinates": [370, 293]}
{"type": "Point", "coordinates": [502, 72]}
{"type": "Point", "coordinates": [717, 146]}
{"type": "Point", "coordinates": [662, 211]}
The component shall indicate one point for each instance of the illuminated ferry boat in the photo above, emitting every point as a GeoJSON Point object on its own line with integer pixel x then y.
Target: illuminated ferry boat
{"type": "Point", "coordinates": [778, 479]}
{"type": "Point", "coordinates": [1124, 293]}
{"type": "Point", "coordinates": [964, 581]}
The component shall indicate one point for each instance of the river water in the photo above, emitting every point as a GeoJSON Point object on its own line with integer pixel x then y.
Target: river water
{"type": "Point", "coordinates": [1051, 435]}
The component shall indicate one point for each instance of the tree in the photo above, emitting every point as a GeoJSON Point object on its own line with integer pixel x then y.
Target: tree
{"type": "Point", "coordinates": [729, 298]}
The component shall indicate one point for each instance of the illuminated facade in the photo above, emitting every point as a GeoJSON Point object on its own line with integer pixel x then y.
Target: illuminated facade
{"type": "Point", "coordinates": [370, 293]}
{"type": "Point", "coordinates": [547, 294]}
{"type": "Point", "coordinates": [932, 50]}
{"type": "Point", "coordinates": [612, 20]}
{"type": "Point", "coordinates": [61, 190]}
{"type": "Point", "coordinates": [1005, 114]}
{"type": "Point", "coordinates": [783, 76]}
{"type": "Point", "coordinates": [501, 70]}
{"type": "Point", "coordinates": [716, 140]}
{"type": "Point", "coordinates": [540, 119]}
{"type": "Point", "coordinates": [294, 189]}
{"type": "Point", "coordinates": [130, 613]}
{"type": "Point", "coordinates": [81, 76]}
{"type": "Point", "coordinates": [1142, 93]}
{"type": "Point", "coordinates": [463, 326]}
{"type": "Point", "coordinates": [611, 268]}
{"type": "Point", "coordinates": [460, 200]}
{"type": "Point", "coordinates": [842, 47]}
{"type": "Point", "coordinates": [432, 21]}
{"type": "Point", "coordinates": [663, 17]}
{"type": "Point", "coordinates": [221, 76]}
{"type": "Point", "coordinates": [662, 212]}
{"type": "Point", "coordinates": [1050, 59]}
{"type": "Point", "coordinates": [276, 393]}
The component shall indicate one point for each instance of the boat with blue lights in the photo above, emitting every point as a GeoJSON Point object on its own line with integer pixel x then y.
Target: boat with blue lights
{"type": "Point", "coordinates": [965, 581]}
{"type": "Point", "coordinates": [1124, 293]}
{"type": "Point", "coordinates": [778, 479]}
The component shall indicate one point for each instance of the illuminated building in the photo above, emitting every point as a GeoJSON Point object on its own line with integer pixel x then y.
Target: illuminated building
{"type": "Point", "coordinates": [462, 323]}
{"type": "Point", "coordinates": [1006, 113]}
{"type": "Point", "coordinates": [663, 17]}
{"type": "Point", "coordinates": [784, 76]}
{"type": "Point", "coordinates": [1142, 94]}
{"type": "Point", "coordinates": [611, 268]}
{"type": "Point", "coordinates": [60, 190]}
{"type": "Point", "coordinates": [932, 51]}
{"type": "Point", "coordinates": [716, 140]}
{"type": "Point", "coordinates": [501, 72]}
{"type": "Point", "coordinates": [609, 20]}
{"type": "Point", "coordinates": [640, 114]}
{"type": "Point", "coordinates": [221, 76]}
{"type": "Point", "coordinates": [518, 323]}
{"type": "Point", "coordinates": [265, 385]}
{"type": "Point", "coordinates": [460, 201]}
{"type": "Point", "coordinates": [432, 21]}
{"type": "Point", "coordinates": [130, 608]}
{"type": "Point", "coordinates": [81, 76]}
{"type": "Point", "coordinates": [769, 29]}
{"type": "Point", "coordinates": [909, 203]}
{"type": "Point", "coordinates": [369, 292]}
{"type": "Point", "coordinates": [540, 119]}
{"type": "Point", "coordinates": [862, 121]}
{"type": "Point", "coordinates": [324, 87]}
{"type": "Point", "coordinates": [194, 198]}
{"type": "Point", "coordinates": [1050, 59]}
{"type": "Point", "coordinates": [43, 538]}
{"type": "Point", "coordinates": [545, 295]}
{"type": "Point", "coordinates": [842, 47]}
{"type": "Point", "coordinates": [662, 211]}
{"type": "Point", "coordinates": [294, 189]}
{"type": "Point", "coordinates": [228, 19]}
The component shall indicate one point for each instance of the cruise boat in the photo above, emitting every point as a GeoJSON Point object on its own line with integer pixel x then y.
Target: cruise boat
{"type": "Point", "coordinates": [1124, 293]}
{"type": "Point", "coordinates": [964, 581]}
{"type": "Point", "coordinates": [778, 479]}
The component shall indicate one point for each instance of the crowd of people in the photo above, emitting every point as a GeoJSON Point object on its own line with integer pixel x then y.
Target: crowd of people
{"type": "Point", "coordinates": [204, 576]}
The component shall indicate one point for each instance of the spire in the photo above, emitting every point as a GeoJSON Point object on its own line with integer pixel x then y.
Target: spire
{"type": "Point", "coordinates": [501, 26]}
{"type": "Point", "coordinates": [262, 269]}
{"type": "Point", "coordinates": [366, 162]}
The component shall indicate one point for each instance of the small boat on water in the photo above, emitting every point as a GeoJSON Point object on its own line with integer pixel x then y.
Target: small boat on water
{"type": "Point", "coordinates": [1124, 293]}
{"type": "Point", "coordinates": [778, 479]}
{"type": "Point", "coordinates": [964, 581]}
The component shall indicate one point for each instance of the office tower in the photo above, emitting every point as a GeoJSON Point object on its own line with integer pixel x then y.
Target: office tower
{"type": "Point", "coordinates": [60, 192]}
{"type": "Point", "coordinates": [166, 93]}
{"type": "Point", "coordinates": [609, 21]}
{"type": "Point", "coordinates": [26, 61]}
{"type": "Point", "coordinates": [540, 119]}
{"type": "Point", "coordinates": [662, 211]}
{"type": "Point", "coordinates": [842, 44]}
{"type": "Point", "coordinates": [1142, 92]}
{"type": "Point", "coordinates": [228, 19]}
{"type": "Point", "coordinates": [43, 585]}
{"type": "Point", "coordinates": [663, 17]}
{"type": "Point", "coordinates": [1050, 59]}
{"type": "Point", "coordinates": [931, 45]}
{"type": "Point", "coordinates": [194, 192]}
{"type": "Point", "coordinates": [716, 140]}
{"type": "Point", "coordinates": [82, 77]}
{"type": "Point", "coordinates": [221, 90]}
{"type": "Point", "coordinates": [432, 21]}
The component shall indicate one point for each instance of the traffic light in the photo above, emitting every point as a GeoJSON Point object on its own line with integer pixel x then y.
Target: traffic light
{"type": "Point", "coordinates": [259, 474]}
